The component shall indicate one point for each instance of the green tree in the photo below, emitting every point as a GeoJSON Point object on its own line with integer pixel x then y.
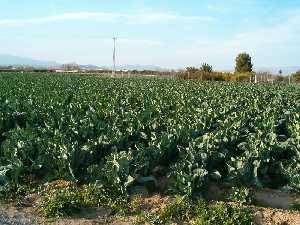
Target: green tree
{"type": "Point", "coordinates": [206, 68]}
{"type": "Point", "coordinates": [192, 69]}
{"type": "Point", "coordinates": [243, 63]}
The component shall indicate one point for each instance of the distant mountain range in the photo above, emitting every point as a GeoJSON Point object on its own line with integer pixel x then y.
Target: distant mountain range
{"type": "Point", "coordinates": [10, 60]}
{"type": "Point", "coordinates": [141, 67]}
{"type": "Point", "coordinates": [286, 70]}
{"type": "Point", "coordinates": [125, 67]}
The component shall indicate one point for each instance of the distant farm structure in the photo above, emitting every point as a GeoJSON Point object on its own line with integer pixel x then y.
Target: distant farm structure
{"type": "Point", "coordinates": [189, 73]}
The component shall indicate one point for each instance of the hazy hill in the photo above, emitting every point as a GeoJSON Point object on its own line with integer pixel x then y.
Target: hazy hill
{"type": "Point", "coordinates": [10, 60]}
{"type": "Point", "coordinates": [275, 70]}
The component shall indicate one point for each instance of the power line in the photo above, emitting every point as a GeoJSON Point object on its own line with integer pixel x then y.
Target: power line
{"type": "Point", "coordinates": [114, 56]}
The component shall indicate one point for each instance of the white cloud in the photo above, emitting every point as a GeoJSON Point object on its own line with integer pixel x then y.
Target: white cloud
{"type": "Point", "coordinates": [60, 18]}
{"type": "Point", "coordinates": [271, 45]}
{"type": "Point", "coordinates": [139, 18]}
{"type": "Point", "coordinates": [127, 41]}
{"type": "Point", "coordinates": [139, 42]}
{"type": "Point", "coordinates": [216, 8]}
{"type": "Point", "coordinates": [281, 33]}
{"type": "Point", "coordinates": [150, 18]}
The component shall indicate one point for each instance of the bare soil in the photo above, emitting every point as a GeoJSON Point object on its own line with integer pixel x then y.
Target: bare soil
{"type": "Point", "coordinates": [263, 197]}
{"type": "Point", "coordinates": [28, 215]}
{"type": "Point", "coordinates": [270, 216]}
{"type": "Point", "coordinates": [275, 198]}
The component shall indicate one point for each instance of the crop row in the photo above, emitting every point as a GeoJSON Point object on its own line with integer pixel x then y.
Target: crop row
{"type": "Point", "coordinates": [124, 133]}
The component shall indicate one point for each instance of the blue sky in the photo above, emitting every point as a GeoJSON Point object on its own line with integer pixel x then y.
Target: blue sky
{"type": "Point", "coordinates": [168, 33]}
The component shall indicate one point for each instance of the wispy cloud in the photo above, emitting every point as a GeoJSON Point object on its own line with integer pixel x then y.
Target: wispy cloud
{"type": "Point", "coordinates": [216, 8]}
{"type": "Point", "coordinates": [127, 41]}
{"type": "Point", "coordinates": [60, 18]}
{"type": "Point", "coordinates": [164, 17]}
{"type": "Point", "coordinates": [139, 18]}
{"type": "Point", "coordinates": [271, 42]}
{"type": "Point", "coordinates": [148, 42]}
{"type": "Point", "coordinates": [280, 34]}
{"type": "Point", "coordinates": [100, 16]}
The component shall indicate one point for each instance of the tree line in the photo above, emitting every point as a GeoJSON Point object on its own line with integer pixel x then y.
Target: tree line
{"type": "Point", "coordinates": [243, 71]}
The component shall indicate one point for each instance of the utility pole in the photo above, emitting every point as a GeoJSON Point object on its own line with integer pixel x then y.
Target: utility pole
{"type": "Point", "coordinates": [114, 57]}
{"type": "Point", "coordinates": [266, 78]}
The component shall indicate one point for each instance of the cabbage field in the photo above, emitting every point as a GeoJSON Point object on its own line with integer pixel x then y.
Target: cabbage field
{"type": "Point", "coordinates": [124, 133]}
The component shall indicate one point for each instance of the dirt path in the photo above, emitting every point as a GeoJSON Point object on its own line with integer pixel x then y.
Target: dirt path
{"type": "Point", "coordinates": [269, 216]}
{"type": "Point", "coordinates": [11, 215]}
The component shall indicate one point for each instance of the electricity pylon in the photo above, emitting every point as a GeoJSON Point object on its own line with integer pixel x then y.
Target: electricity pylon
{"type": "Point", "coordinates": [114, 57]}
